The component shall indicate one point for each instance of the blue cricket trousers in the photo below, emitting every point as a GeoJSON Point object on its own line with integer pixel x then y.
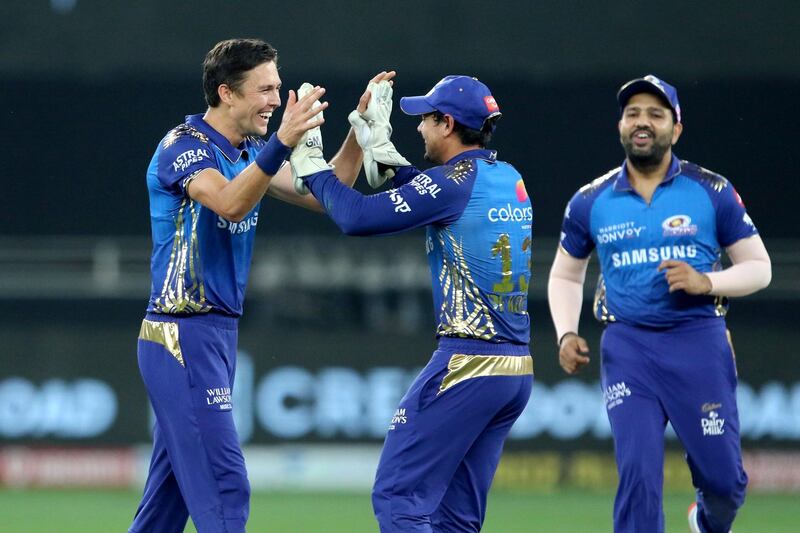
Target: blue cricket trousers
{"type": "Point", "coordinates": [197, 468]}
{"type": "Point", "coordinates": [685, 375]}
{"type": "Point", "coordinates": [446, 437]}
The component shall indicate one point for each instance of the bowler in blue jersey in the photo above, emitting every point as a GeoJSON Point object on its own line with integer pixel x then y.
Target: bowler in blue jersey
{"type": "Point", "coordinates": [205, 182]}
{"type": "Point", "coordinates": [446, 437]}
{"type": "Point", "coordinates": [659, 226]}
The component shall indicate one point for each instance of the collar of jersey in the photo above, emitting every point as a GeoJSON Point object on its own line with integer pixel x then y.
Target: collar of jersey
{"type": "Point", "coordinates": [228, 150]}
{"type": "Point", "coordinates": [623, 184]}
{"type": "Point", "coordinates": [478, 153]}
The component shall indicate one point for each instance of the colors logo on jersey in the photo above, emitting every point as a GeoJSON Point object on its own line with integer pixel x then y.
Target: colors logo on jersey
{"type": "Point", "coordinates": [522, 192]}
{"type": "Point", "coordinates": [509, 213]}
{"type": "Point", "coordinates": [678, 226]}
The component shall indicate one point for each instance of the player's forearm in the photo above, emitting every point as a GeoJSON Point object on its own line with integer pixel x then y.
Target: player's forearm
{"type": "Point", "coordinates": [348, 159]}
{"type": "Point", "coordinates": [238, 196]}
{"type": "Point", "coordinates": [566, 299]}
{"type": "Point", "coordinates": [751, 270]}
{"type": "Point", "coordinates": [565, 291]}
{"type": "Point", "coordinates": [741, 279]}
{"type": "Point", "coordinates": [345, 206]}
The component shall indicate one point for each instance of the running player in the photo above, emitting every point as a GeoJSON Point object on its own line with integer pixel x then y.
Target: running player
{"type": "Point", "coordinates": [658, 225]}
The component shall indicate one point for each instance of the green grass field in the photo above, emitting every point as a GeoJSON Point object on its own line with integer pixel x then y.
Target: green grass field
{"type": "Point", "coordinates": [76, 511]}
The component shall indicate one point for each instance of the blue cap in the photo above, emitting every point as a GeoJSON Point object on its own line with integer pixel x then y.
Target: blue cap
{"type": "Point", "coordinates": [653, 85]}
{"type": "Point", "coordinates": [464, 98]}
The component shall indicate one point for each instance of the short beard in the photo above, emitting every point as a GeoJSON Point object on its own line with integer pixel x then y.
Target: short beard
{"type": "Point", "coordinates": [648, 160]}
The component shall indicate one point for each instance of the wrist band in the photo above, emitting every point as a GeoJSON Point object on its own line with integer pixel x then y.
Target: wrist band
{"type": "Point", "coordinates": [272, 156]}
{"type": "Point", "coordinates": [561, 339]}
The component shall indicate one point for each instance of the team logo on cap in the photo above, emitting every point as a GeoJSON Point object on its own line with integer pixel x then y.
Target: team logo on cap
{"type": "Point", "coordinates": [491, 103]}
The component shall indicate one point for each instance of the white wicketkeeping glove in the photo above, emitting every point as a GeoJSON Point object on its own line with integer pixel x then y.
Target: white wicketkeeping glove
{"type": "Point", "coordinates": [307, 157]}
{"type": "Point", "coordinates": [373, 132]}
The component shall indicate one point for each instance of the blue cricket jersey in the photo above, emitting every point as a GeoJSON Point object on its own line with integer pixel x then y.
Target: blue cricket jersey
{"type": "Point", "coordinates": [478, 217]}
{"type": "Point", "coordinates": [200, 261]}
{"type": "Point", "coordinates": [693, 214]}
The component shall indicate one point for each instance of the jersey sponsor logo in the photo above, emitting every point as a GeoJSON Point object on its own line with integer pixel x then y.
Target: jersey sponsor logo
{"type": "Point", "coordinates": [508, 213]}
{"type": "Point", "coordinates": [617, 232]}
{"type": "Point", "coordinates": [615, 394]}
{"type": "Point", "coordinates": [219, 397]}
{"type": "Point", "coordinates": [712, 424]}
{"type": "Point", "coordinates": [678, 226]}
{"type": "Point", "coordinates": [400, 205]}
{"type": "Point", "coordinates": [236, 228]}
{"type": "Point", "coordinates": [424, 184]}
{"type": "Point", "coordinates": [189, 157]}
{"type": "Point", "coordinates": [653, 255]}
{"type": "Point", "coordinates": [399, 417]}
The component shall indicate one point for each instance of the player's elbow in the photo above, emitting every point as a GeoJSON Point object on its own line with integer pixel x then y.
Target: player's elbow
{"type": "Point", "coordinates": [766, 274]}
{"type": "Point", "coordinates": [352, 228]}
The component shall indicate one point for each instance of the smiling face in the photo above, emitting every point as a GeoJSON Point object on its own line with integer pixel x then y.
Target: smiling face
{"type": "Point", "coordinates": [431, 131]}
{"type": "Point", "coordinates": [252, 103]}
{"type": "Point", "coordinates": [647, 130]}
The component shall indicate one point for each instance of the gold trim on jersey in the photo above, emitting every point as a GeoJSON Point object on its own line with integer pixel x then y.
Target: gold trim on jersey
{"type": "Point", "coordinates": [165, 334]}
{"type": "Point", "coordinates": [463, 312]}
{"type": "Point", "coordinates": [185, 255]}
{"type": "Point", "coordinates": [463, 367]}
{"type": "Point", "coordinates": [601, 311]}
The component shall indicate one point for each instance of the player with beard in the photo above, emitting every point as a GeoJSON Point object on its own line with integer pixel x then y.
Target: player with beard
{"type": "Point", "coordinates": [658, 225]}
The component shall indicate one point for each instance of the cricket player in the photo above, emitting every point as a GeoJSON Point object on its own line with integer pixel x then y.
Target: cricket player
{"type": "Point", "coordinates": [446, 437]}
{"type": "Point", "coordinates": [658, 225]}
{"type": "Point", "coordinates": [205, 181]}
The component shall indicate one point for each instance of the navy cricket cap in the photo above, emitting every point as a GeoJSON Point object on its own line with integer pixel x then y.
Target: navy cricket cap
{"type": "Point", "coordinates": [466, 99]}
{"type": "Point", "coordinates": [653, 85]}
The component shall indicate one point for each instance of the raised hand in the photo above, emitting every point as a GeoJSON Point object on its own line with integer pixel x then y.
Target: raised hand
{"type": "Point", "coordinates": [301, 116]}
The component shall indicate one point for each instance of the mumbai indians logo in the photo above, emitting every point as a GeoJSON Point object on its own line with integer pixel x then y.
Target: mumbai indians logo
{"type": "Point", "coordinates": [679, 225]}
{"type": "Point", "coordinates": [712, 424]}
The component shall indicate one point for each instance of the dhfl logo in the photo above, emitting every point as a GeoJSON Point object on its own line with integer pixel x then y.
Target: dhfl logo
{"type": "Point", "coordinates": [491, 103]}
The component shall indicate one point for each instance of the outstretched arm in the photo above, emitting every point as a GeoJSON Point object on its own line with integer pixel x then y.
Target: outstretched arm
{"type": "Point", "coordinates": [347, 162]}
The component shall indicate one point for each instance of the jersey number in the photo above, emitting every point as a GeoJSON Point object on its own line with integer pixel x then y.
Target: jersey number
{"type": "Point", "coordinates": [502, 248]}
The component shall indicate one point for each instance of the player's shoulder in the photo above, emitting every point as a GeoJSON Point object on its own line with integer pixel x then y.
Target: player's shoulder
{"type": "Point", "coordinates": [592, 189]}
{"type": "Point", "coordinates": [181, 133]}
{"type": "Point", "coordinates": [710, 180]}
{"type": "Point", "coordinates": [457, 173]}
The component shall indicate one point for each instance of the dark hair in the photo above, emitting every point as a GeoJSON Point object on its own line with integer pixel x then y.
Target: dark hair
{"type": "Point", "coordinates": [468, 136]}
{"type": "Point", "coordinates": [227, 62]}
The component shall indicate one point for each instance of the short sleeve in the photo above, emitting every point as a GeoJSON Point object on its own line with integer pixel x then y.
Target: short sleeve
{"type": "Point", "coordinates": [576, 237]}
{"type": "Point", "coordinates": [733, 222]}
{"type": "Point", "coordinates": [183, 154]}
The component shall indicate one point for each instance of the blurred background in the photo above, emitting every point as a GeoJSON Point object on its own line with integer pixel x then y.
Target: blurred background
{"type": "Point", "coordinates": [335, 328]}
